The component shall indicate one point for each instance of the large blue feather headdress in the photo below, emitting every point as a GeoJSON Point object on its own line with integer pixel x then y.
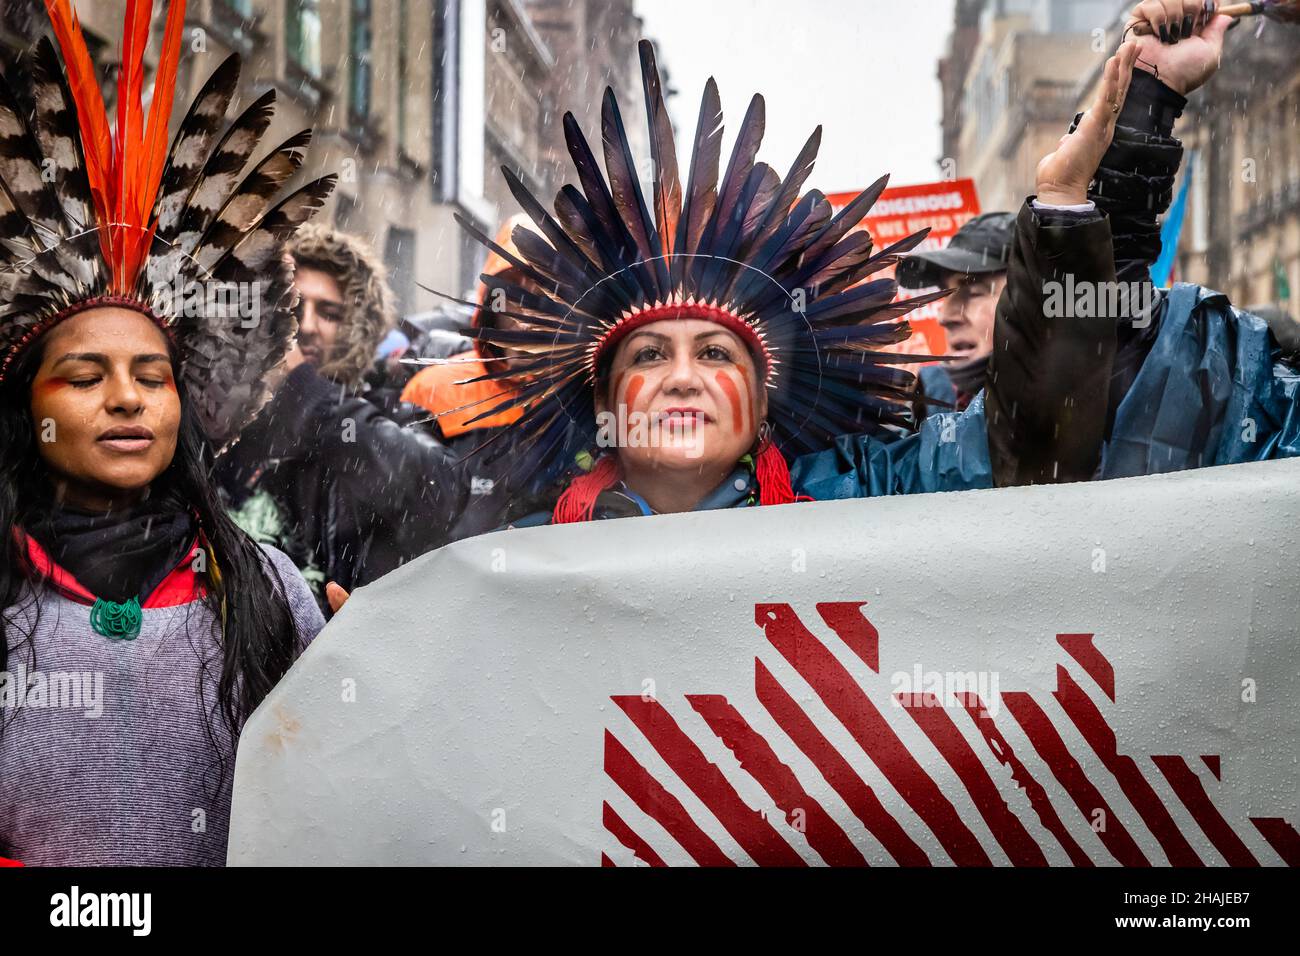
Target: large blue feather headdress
{"type": "Point", "coordinates": [746, 251]}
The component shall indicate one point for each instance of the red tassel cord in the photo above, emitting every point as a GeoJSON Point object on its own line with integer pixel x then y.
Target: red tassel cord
{"type": "Point", "coordinates": [773, 477]}
{"type": "Point", "coordinates": [579, 499]}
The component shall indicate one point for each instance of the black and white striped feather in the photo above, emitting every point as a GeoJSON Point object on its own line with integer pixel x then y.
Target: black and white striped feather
{"type": "Point", "coordinates": [215, 273]}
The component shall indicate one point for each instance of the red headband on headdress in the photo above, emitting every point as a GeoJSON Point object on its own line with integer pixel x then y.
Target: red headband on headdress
{"type": "Point", "coordinates": [630, 321]}
{"type": "Point", "coordinates": [85, 305]}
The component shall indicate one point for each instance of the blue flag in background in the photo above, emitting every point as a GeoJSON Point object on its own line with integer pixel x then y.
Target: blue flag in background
{"type": "Point", "coordinates": [1163, 267]}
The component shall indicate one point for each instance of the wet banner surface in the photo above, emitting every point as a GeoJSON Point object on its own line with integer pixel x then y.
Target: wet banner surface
{"type": "Point", "coordinates": [1100, 674]}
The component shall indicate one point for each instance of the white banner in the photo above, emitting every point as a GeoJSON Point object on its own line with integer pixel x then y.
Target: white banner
{"type": "Point", "coordinates": [1104, 673]}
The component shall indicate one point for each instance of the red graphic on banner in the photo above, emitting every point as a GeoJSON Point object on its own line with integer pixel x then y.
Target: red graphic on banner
{"type": "Point", "coordinates": [943, 208]}
{"type": "Point", "coordinates": [924, 827]}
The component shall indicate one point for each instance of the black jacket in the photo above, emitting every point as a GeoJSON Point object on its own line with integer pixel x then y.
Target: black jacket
{"type": "Point", "coordinates": [1133, 188]}
{"type": "Point", "coordinates": [1081, 367]}
{"type": "Point", "coordinates": [357, 493]}
{"type": "Point", "coordinates": [484, 485]}
{"type": "Point", "coordinates": [487, 490]}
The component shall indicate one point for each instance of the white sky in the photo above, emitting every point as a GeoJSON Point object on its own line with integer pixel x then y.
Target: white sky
{"type": "Point", "coordinates": [864, 69]}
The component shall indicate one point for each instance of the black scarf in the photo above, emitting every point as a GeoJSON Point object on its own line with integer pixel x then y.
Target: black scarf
{"type": "Point", "coordinates": [968, 378]}
{"type": "Point", "coordinates": [118, 555]}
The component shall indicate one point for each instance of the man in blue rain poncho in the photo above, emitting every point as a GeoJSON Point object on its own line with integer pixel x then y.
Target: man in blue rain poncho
{"type": "Point", "coordinates": [1180, 377]}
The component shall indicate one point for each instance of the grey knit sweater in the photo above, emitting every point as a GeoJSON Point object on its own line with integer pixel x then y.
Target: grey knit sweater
{"type": "Point", "coordinates": [107, 759]}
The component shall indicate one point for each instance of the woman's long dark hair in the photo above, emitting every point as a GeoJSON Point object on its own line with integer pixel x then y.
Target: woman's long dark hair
{"type": "Point", "coordinates": [259, 638]}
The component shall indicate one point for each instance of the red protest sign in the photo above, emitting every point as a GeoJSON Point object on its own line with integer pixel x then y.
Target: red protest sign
{"type": "Point", "coordinates": [943, 207]}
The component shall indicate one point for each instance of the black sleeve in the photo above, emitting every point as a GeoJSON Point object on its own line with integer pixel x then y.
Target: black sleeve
{"type": "Point", "coordinates": [1135, 182]}
{"type": "Point", "coordinates": [395, 489]}
{"type": "Point", "coordinates": [392, 491]}
{"type": "Point", "coordinates": [1134, 186]}
{"type": "Point", "coordinates": [1046, 394]}
{"type": "Point", "coordinates": [280, 433]}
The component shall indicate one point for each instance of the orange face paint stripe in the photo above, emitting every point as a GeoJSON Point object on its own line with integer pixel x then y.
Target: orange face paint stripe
{"type": "Point", "coordinates": [753, 388]}
{"type": "Point", "coordinates": [733, 395]}
{"type": "Point", "coordinates": [633, 390]}
{"type": "Point", "coordinates": [50, 386]}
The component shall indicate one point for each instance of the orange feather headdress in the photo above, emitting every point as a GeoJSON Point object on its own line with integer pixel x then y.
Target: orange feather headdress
{"type": "Point", "coordinates": [124, 170]}
{"type": "Point", "coordinates": [92, 215]}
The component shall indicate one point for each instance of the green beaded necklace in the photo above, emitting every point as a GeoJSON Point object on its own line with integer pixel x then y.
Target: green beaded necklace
{"type": "Point", "coordinates": [117, 622]}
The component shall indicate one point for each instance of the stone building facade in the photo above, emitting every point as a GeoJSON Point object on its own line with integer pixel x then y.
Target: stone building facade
{"type": "Point", "coordinates": [414, 103]}
{"type": "Point", "coordinates": [1018, 70]}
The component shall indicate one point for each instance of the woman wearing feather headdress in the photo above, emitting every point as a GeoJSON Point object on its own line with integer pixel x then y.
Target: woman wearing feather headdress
{"type": "Point", "coordinates": [690, 340]}
{"type": "Point", "coordinates": [144, 298]}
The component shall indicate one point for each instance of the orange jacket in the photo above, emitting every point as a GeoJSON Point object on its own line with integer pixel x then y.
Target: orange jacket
{"type": "Point", "coordinates": [441, 388]}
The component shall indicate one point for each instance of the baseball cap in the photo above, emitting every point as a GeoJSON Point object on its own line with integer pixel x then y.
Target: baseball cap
{"type": "Point", "coordinates": [983, 245]}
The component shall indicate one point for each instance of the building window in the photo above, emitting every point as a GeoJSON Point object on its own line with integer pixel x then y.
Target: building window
{"type": "Point", "coordinates": [443, 99]}
{"type": "Point", "coordinates": [345, 213]}
{"type": "Point", "coordinates": [302, 35]}
{"type": "Point", "coordinates": [399, 257]}
{"type": "Point", "coordinates": [359, 50]}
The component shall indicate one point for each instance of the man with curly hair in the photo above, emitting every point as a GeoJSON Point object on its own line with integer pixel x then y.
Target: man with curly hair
{"type": "Point", "coordinates": [326, 473]}
{"type": "Point", "coordinates": [345, 307]}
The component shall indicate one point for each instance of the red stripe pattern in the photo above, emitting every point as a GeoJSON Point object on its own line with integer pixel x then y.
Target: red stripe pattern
{"type": "Point", "coordinates": [943, 733]}
{"type": "Point", "coordinates": [836, 770]}
{"type": "Point", "coordinates": [644, 852]}
{"type": "Point", "coordinates": [820, 767]}
{"type": "Point", "coordinates": [756, 757]}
